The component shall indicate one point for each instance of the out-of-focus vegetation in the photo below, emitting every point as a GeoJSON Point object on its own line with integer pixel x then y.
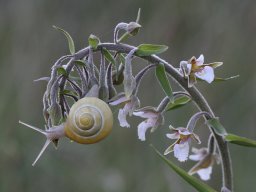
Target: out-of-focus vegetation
{"type": "Point", "coordinates": [221, 30]}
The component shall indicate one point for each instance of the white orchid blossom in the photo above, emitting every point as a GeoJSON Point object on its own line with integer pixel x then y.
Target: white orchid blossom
{"type": "Point", "coordinates": [181, 146]}
{"type": "Point", "coordinates": [153, 120]}
{"type": "Point", "coordinates": [205, 162]}
{"type": "Point", "coordinates": [195, 68]}
{"type": "Point", "coordinates": [130, 104]}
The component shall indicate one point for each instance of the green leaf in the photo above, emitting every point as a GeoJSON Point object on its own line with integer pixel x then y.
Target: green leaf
{"type": "Point", "coordinates": [240, 140]}
{"type": "Point", "coordinates": [121, 58]}
{"type": "Point", "coordinates": [150, 49]}
{"type": "Point", "coordinates": [93, 41]}
{"type": "Point", "coordinates": [163, 80]}
{"type": "Point", "coordinates": [109, 56]}
{"type": "Point", "coordinates": [177, 103]}
{"type": "Point", "coordinates": [219, 79]}
{"type": "Point", "coordinates": [71, 44]}
{"type": "Point", "coordinates": [196, 183]}
{"type": "Point", "coordinates": [80, 63]}
{"type": "Point", "coordinates": [62, 71]}
{"type": "Point", "coordinates": [217, 126]}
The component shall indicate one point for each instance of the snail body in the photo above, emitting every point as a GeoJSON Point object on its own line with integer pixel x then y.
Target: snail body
{"type": "Point", "coordinates": [89, 121]}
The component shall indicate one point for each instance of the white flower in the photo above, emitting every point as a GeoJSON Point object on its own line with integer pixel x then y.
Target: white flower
{"type": "Point", "coordinates": [153, 120]}
{"type": "Point", "coordinates": [130, 104]}
{"type": "Point", "coordinates": [181, 146]}
{"type": "Point", "coordinates": [206, 160]}
{"type": "Point", "coordinates": [195, 68]}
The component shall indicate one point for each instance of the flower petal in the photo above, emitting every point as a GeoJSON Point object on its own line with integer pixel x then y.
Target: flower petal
{"type": "Point", "coordinates": [142, 128]}
{"type": "Point", "coordinates": [195, 157]}
{"type": "Point", "coordinates": [206, 74]}
{"type": "Point", "coordinates": [199, 154]}
{"type": "Point", "coordinates": [196, 138]}
{"type": "Point", "coordinates": [184, 131]}
{"type": "Point", "coordinates": [122, 118]}
{"type": "Point", "coordinates": [173, 135]}
{"type": "Point", "coordinates": [185, 67]}
{"type": "Point", "coordinates": [200, 60]}
{"type": "Point", "coordinates": [214, 65]}
{"type": "Point", "coordinates": [119, 100]}
{"type": "Point", "coordinates": [191, 80]}
{"type": "Point", "coordinates": [181, 151]}
{"type": "Point", "coordinates": [205, 173]}
{"type": "Point", "coordinates": [169, 149]}
{"type": "Point", "coordinates": [145, 114]}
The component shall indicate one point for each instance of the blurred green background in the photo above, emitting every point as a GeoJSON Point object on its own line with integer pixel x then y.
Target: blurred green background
{"type": "Point", "coordinates": [222, 30]}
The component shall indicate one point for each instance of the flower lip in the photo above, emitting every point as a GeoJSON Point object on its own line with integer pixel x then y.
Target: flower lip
{"type": "Point", "coordinates": [206, 73]}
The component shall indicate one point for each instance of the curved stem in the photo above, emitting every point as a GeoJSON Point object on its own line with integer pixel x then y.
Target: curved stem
{"type": "Point", "coordinates": [204, 106]}
{"type": "Point", "coordinates": [198, 98]}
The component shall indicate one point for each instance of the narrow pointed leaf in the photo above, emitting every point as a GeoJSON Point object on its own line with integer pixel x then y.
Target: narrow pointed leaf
{"type": "Point", "coordinates": [163, 80]}
{"type": "Point", "coordinates": [121, 58]}
{"type": "Point", "coordinates": [93, 41]}
{"type": "Point", "coordinates": [179, 102]}
{"type": "Point", "coordinates": [71, 44]}
{"type": "Point", "coordinates": [150, 49]}
{"type": "Point", "coordinates": [217, 126]}
{"type": "Point", "coordinates": [109, 56]}
{"type": "Point", "coordinates": [240, 140]}
{"type": "Point", "coordinates": [196, 183]}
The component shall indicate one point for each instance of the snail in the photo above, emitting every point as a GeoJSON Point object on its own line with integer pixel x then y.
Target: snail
{"type": "Point", "coordinates": [89, 121]}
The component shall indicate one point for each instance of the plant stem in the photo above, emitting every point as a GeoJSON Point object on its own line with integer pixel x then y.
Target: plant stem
{"type": "Point", "coordinates": [198, 98]}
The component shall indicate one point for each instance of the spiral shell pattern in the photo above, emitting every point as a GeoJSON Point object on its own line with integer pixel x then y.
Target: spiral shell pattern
{"type": "Point", "coordinates": [89, 121]}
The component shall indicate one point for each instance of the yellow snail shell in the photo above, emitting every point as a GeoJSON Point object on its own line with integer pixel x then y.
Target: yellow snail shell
{"type": "Point", "coordinates": [89, 121]}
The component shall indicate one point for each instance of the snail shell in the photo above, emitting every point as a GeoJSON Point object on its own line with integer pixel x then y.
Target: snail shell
{"type": "Point", "coordinates": [89, 121]}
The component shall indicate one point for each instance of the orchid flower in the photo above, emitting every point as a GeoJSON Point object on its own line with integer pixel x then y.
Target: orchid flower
{"type": "Point", "coordinates": [130, 104]}
{"type": "Point", "coordinates": [181, 146]}
{"type": "Point", "coordinates": [195, 68]}
{"type": "Point", "coordinates": [205, 162]}
{"type": "Point", "coordinates": [153, 117]}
